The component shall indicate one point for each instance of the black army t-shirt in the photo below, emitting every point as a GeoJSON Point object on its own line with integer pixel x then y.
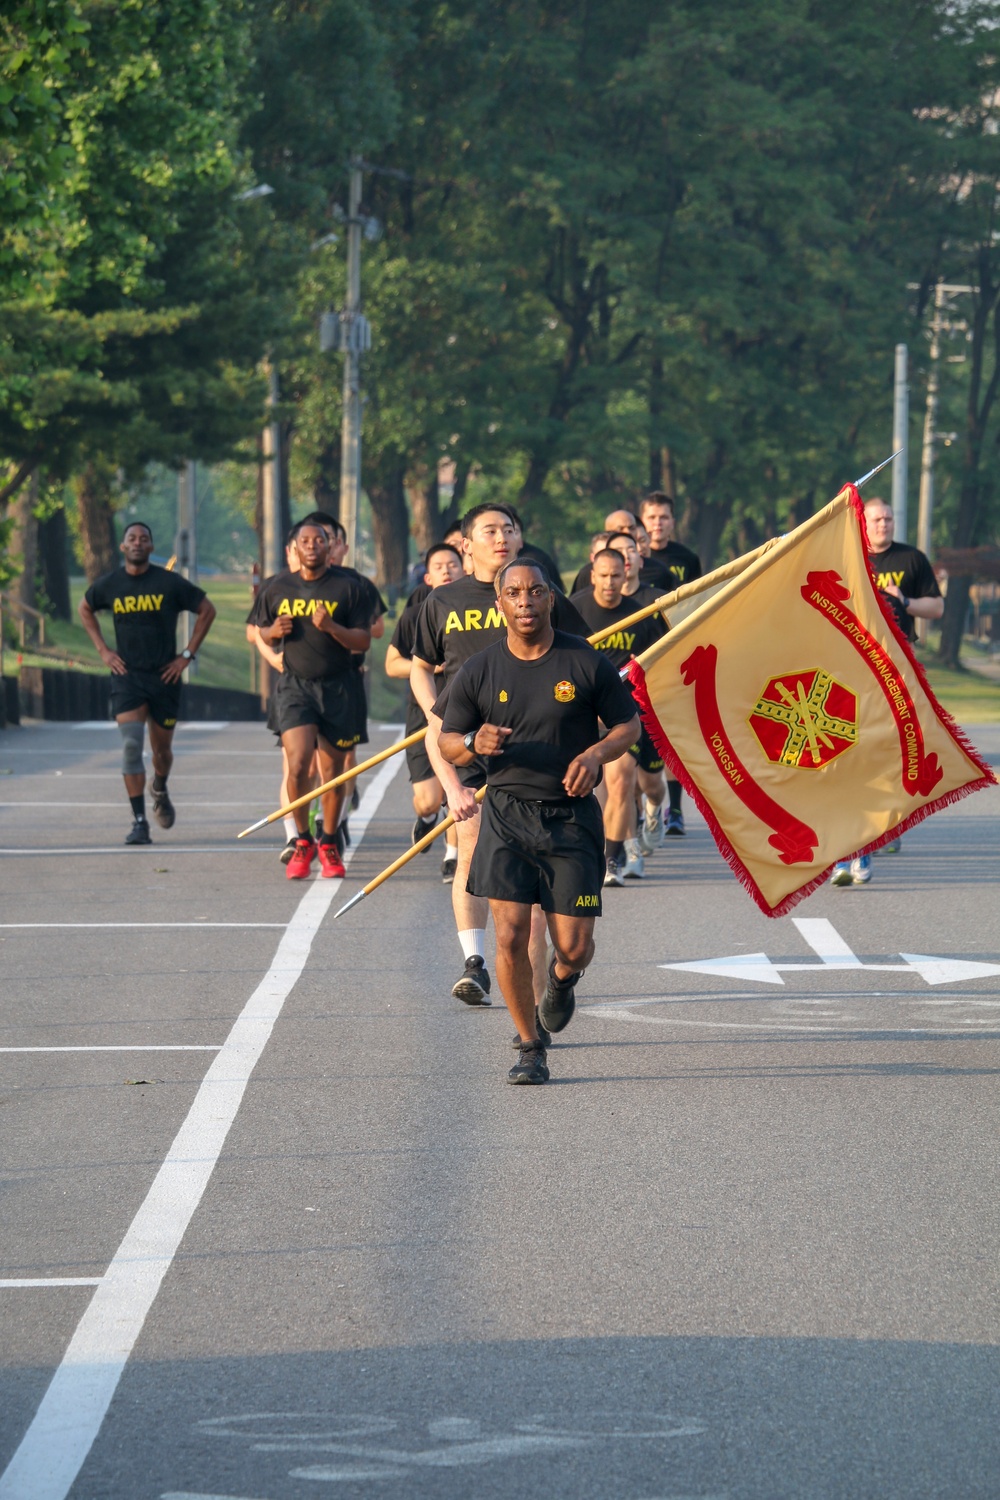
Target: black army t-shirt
{"type": "Point", "coordinates": [682, 563]}
{"type": "Point", "coordinates": [308, 652]}
{"type": "Point", "coordinates": [624, 644]}
{"type": "Point", "coordinates": [144, 607]}
{"type": "Point", "coordinates": [653, 574]}
{"type": "Point", "coordinates": [464, 617]}
{"type": "Point", "coordinates": [910, 570]}
{"type": "Point", "coordinates": [402, 639]}
{"type": "Point", "coordinates": [552, 706]}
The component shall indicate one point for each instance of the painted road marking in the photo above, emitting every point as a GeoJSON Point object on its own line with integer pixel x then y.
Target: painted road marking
{"type": "Point", "coordinates": [64, 1427]}
{"type": "Point", "coordinates": [247, 802]}
{"type": "Point", "coordinates": [459, 1442]}
{"type": "Point", "coordinates": [202, 726]}
{"type": "Point", "coordinates": [834, 953]}
{"type": "Point", "coordinates": [139, 1047]}
{"type": "Point", "coordinates": [22, 926]}
{"type": "Point", "coordinates": [153, 849]}
{"type": "Point", "coordinates": [16, 1282]}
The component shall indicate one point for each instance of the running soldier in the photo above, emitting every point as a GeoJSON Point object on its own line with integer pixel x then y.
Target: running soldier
{"type": "Point", "coordinates": [146, 669]}
{"type": "Point", "coordinates": [318, 617]}
{"type": "Point", "coordinates": [456, 621]}
{"type": "Point", "coordinates": [600, 607]}
{"type": "Point", "coordinates": [442, 565]}
{"type": "Point", "coordinates": [530, 706]}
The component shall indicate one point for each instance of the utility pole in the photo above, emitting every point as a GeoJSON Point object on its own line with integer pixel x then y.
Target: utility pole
{"type": "Point", "coordinates": [939, 325]}
{"type": "Point", "coordinates": [272, 555]}
{"type": "Point", "coordinates": [186, 541]}
{"type": "Point", "coordinates": [350, 440]}
{"type": "Point", "coordinates": [900, 443]}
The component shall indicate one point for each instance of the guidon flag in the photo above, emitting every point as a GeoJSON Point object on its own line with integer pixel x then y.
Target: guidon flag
{"type": "Point", "coordinates": [791, 707]}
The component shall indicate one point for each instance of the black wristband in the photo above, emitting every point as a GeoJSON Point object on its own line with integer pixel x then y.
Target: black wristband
{"type": "Point", "coordinates": [904, 601]}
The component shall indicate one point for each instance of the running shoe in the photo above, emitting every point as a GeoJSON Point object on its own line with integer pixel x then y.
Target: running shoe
{"type": "Point", "coordinates": [651, 832]}
{"type": "Point", "coordinates": [448, 867]}
{"type": "Point", "coordinates": [635, 865]}
{"type": "Point", "coordinates": [138, 833]}
{"type": "Point", "coordinates": [892, 847]}
{"type": "Point", "coordinates": [343, 836]}
{"type": "Point", "coordinates": [300, 864]}
{"type": "Point", "coordinates": [163, 808]}
{"type": "Point", "coordinates": [530, 1066]}
{"type": "Point", "coordinates": [559, 1000]}
{"type": "Point", "coordinates": [355, 795]}
{"type": "Point", "coordinates": [861, 869]}
{"type": "Point", "coordinates": [330, 863]}
{"type": "Point", "coordinates": [420, 830]}
{"type": "Point", "coordinates": [287, 852]}
{"type": "Point", "coordinates": [613, 873]}
{"type": "Point", "coordinates": [675, 823]}
{"type": "Point", "coordinates": [543, 1035]}
{"type": "Point", "coordinates": [474, 985]}
{"type": "Point", "coordinates": [841, 873]}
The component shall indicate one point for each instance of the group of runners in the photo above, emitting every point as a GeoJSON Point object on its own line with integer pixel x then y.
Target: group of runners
{"type": "Point", "coordinates": [533, 740]}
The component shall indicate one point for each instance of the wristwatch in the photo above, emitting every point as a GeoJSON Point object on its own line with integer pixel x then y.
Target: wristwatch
{"type": "Point", "coordinates": [904, 601]}
{"type": "Point", "coordinates": [188, 655]}
{"type": "Point", "coordinates": [469, 740]}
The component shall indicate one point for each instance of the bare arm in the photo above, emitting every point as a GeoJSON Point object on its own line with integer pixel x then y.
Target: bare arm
{"type": "Point", "coordinates": [582, 772]}
{"type": "Point", "coordinates": [174, 670]}
{"type": "Point", "coordinates": [108, 657]}
{"type": "Point", "coordinates": [929, 608]}
{"type": "Point", "coordinates": [396, 664]}
{"type": "Point", "coordinates": [351, 637]}
{"type": "Point", "coordinates": [272, 657]}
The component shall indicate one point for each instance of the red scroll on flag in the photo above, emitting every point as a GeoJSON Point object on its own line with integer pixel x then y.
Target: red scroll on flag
{"type": "Point", "coordinates": [794, 712]}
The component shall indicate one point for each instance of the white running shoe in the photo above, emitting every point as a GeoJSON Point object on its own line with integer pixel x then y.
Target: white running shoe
{"type": "Point", "coordinates": [635, 865]}
{"type": "Point", "coordinates": [861, 869]}
{"type": "Point", "coordinates": [651, 832]}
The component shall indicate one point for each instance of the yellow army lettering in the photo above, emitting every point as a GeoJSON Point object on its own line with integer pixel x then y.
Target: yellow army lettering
{"type": "Point", "coordinates": [137, 604]}
{"type": "Point", "coordinates": [622, 640]}
{"type": "Point", "coordinates": [882, 580]}
{"type": "Point", "coordinates": [299, 607]}
{"type": "Point", "coordinates": [586, 900]}
{"type": "Point", "coordinates": [473, 620]}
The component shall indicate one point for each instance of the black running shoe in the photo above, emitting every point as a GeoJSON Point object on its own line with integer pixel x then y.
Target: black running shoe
{"type": "Point", "coordinates": [421, 830]}
{"type": "Point", "coordinates": [163, 808]}
{"type": "Point", "coordinates": [675, 824]}
{"type": "Point", "coordinates": [138, 833]}
{"type": "Point", "coordinates": [448, 867]}
{"type": "Point", "coordinates": [287, 852]}
{"type": "Point", "coordinates": [530, 1066]}
{"type": "Point", "coordinates": [474, 985]}
{"type": "Point", "coordinates": [543, 1035]}
{"type": "Point", "coordinates": [559, 1000]}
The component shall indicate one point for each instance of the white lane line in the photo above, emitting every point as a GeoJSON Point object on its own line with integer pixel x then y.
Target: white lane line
{"type": "Point", "coordinates": [827, 943]}
{"type": "Point", "coordinates": [89, 804]}
{"type": "Point", "coordinates": [23, 926]}
{"type": "Point", "coordinates": [198, 1495]}
{"type": "Point", "coordinates": [54, 1448]}
{"type": "Point", "coordinates": [137, 1047]}
{"type": "Point", "coordinates": [201, 726]}
{"type": "Point", "coordinates": [158, 848]}
{"type": "Point", "coordinates": [15, 1283]}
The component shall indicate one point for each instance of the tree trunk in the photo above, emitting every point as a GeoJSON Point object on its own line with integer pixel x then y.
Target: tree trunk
{"type": "Point", "coordinates": [662, 469]}
{"type": "Point", "coordinates": [53, 555]}
{"type": "Point", "coordinates": [422, 493]}
{"type": "Point", "coordinates": [286, 430]}
{"type": "Point", "coordinates": [390, 524]}
{"type": "Point", "coordinates": [24, 547]}
{"type": "Point", "coordinates": [97, 523]}
{"type": "Point", "coordinates": [326, 483]}
{"type": "Point", "coordinates": [956, 610]}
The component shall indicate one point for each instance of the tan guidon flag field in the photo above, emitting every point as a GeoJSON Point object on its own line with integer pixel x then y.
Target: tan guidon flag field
{"type": "Point", "coordinates": [794, 712]}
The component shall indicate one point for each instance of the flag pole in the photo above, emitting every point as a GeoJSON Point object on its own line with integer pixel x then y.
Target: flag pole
{"type": "Point", "coordinates": [403, 859]}
{"type": "Point", "coordinates": [872, 472]}
{"type": "Point", "coordinates": [328, 786]}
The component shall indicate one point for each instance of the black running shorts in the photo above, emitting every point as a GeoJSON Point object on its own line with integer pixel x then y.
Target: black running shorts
{"type": "Point", "coordinates": [146, 690]}
{"type": "Point", "coordinates": [549, 854]}
{"type": "Point", "coordinates": [646, 753]}
{"type": "Point", "coordinates": [325, 702]}
{"type": "Point", "coordinates": [418, 762]}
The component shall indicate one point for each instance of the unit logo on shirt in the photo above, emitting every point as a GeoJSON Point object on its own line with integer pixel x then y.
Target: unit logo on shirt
{"type": "Point", "coordinates": [565, 692]}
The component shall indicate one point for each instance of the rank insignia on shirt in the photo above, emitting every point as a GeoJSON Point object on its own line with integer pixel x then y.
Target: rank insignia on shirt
{"type": "Point", "coordinates": [565, 692]}
{"type": "Point", "coordinates": [503, 695]}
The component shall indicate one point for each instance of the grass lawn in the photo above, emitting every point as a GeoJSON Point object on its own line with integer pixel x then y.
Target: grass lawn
{"type": "Point", "coordinates": [224, 661]}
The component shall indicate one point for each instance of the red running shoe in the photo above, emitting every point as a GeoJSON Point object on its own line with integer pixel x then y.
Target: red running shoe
{"type": "Point", "coordinates": [300, 864]}
{"type": "Point", "coordinates": [330, 862]}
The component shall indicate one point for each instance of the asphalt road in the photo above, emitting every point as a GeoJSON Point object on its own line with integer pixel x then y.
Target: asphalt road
{"type": "Point", "coordinates": [295, 1235]}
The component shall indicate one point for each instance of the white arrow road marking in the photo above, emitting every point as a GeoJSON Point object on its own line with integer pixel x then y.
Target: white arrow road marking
{"type": "Point", "coordinates": [834, 953]}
